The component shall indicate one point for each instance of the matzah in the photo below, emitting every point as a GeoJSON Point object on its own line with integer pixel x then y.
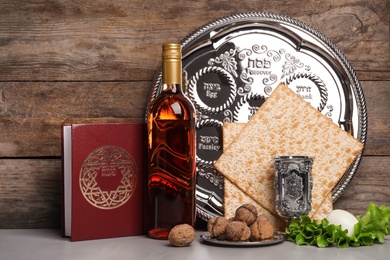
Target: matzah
{"type": "Point", "coordinates": [287, 125]}
{"type": "Point", "coordinates": [324, 210]}
{"type": "Point", "coordinates": [233, 196]}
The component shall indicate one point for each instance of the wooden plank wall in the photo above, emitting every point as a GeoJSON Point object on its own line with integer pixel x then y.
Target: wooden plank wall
{"type": "Point", "coordinates": [95, 59]}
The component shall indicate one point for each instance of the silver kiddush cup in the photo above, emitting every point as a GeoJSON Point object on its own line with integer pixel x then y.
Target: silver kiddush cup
{"type": "Point", "coordinates": [293, 185]}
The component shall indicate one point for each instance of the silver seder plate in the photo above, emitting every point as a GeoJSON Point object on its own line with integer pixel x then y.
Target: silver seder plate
{"type": "Point", "coordinates": [233, 64]}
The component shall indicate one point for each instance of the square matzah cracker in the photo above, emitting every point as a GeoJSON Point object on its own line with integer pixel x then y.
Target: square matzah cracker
{"type": "Point", "coordinates": [324, 210]}
{"type": "Point", "coordinates": [287, 125]}
{"type": "Point", "coordinates": [233, 196]}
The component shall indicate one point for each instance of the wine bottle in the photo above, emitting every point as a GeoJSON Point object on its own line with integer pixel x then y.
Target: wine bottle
{"type": "Point", "coordinates": [171, 152]}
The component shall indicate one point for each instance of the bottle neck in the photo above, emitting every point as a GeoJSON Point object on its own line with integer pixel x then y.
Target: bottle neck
{"type": "Point", "coordinates": [171, 72]}
{"type": "Point", "coordinates": [172, 68]}
{"type": "Point", "coordinates": [172, 88]}
{"type": "Point", "coordinates": [171, 77]}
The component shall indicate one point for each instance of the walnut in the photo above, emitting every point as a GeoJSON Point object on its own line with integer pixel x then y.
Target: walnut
{"type": "Point", "coordinates": [246, 213]}
{"type": "Point", "coordinates": [181, 235]}
{"type": "Point", "coordinates": [216, 226]}
{"type": "Point", "coordinates": [238, 231]}
{"type": "Point", "coordinates": [262, 228]}
{"type": "Point", "coordinates": [231, 219]}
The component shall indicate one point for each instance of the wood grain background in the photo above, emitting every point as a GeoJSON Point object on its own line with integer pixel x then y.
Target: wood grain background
{"type": "Point", "coordinates": [95, 60]}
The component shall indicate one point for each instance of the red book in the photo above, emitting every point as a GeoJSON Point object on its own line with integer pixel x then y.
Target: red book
{"type": "Point", "coordinates": [103, 180]}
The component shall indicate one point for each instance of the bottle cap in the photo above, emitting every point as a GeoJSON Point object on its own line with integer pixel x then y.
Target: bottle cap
{"type": "Point", "coordinates": [171, 51]}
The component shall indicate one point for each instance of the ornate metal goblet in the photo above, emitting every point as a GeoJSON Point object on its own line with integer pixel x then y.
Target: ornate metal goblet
{"type": "Point", "coordinates": [293, 185]}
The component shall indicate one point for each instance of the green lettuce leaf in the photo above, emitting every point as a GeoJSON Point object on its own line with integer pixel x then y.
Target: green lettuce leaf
{"type": "Point", "coordinates": [371, 228]}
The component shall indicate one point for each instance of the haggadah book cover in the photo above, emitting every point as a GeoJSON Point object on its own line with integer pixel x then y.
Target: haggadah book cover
{"type": "Point", "coordinates": [102, 176]}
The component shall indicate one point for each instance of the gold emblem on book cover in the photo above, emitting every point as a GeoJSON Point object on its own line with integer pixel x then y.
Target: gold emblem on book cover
{"type": "Point", "coordinates": [108, 177]}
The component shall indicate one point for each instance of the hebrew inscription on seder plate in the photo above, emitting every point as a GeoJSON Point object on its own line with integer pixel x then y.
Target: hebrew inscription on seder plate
{"type": "Point", "coordinates": [234, 63]}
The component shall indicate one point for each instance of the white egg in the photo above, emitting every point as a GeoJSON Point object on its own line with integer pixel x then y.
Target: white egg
{"type": "Point", "coordinates": [343, 218]}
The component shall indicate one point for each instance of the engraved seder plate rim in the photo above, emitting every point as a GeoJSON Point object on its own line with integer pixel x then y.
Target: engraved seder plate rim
{"type": "Point", "coordinates": [205, 40]}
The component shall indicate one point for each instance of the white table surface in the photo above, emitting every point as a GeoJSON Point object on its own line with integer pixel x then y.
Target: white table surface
{"type": "Point", "coordinates": [48, 244]}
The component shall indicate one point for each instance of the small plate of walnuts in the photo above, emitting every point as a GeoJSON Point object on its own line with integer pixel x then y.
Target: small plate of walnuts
{"type": "Point", "coordinates": [246, 228]}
